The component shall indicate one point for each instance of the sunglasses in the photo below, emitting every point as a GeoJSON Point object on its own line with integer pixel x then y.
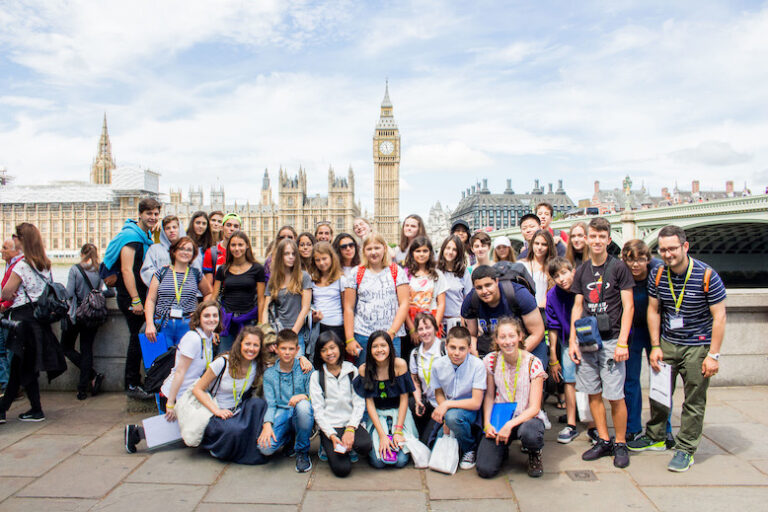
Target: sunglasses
{"type": "Point", "coordinates": [347, 246]}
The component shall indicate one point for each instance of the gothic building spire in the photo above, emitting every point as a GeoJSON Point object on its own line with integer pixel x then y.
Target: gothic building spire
{"type": "Point", "coordinates": [103, 163]}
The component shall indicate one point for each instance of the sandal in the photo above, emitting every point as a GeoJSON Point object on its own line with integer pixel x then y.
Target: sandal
{"type": "Point", "coordinates": [560, 403]}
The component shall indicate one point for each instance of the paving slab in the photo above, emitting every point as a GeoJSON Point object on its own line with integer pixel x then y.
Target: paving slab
{"type": "Point", "coordinates": [152, 498]}
{"type": "Point", "coordinates": [502, 505]}
{"type": "Point", "coordinates": [761, 465]}
{"type": "Point", "coordinates": [755, 410]}
{"type": "Point", "coordinates": [239, 507]}
{"type": "Point", "coordinates": [401, 501]}
{"type": "Point", "coordinates": [612, 492]}
{"type": "Point", "coordinates": [15, 430]}
{"type": "Point", "coordinates": [747, 440]}
{"type": "Point", "coordinates": [9, 485]}
{"type": "Point", "coordinates": [178, 466]}
{"type": "Point", "coordinates": [558, 457]}
{"type": "Point", "coordinates": [734, 394]}
{"type": "Point", "coordinates": [82, 477]}
{"type": "Point", "coordinates": [57, 505]}
{"type": "Point", "coordinates": [35, 455]}
{"type": "Point", "coordinates": [111, 442]}
{"type": "Point", "coordinates": [465, 484]}
{"type": "Point", "coordinates": [278, 483]}
{"type": "Point", "coordinates": [365, 478]}
{"type": "Point", "coordinates": [714, 470]}
{"type": "Point", "coordinates": [690, 499]}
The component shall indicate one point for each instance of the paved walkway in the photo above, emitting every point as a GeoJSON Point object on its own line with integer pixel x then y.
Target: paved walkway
{"type": "Point", "coordinates": [75, 460]}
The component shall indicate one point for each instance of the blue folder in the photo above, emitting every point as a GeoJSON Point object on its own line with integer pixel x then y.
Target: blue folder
{"type": "Point", "coordinates": [502, 413]}
{"type": "Point", "coordinates": [149, 350]}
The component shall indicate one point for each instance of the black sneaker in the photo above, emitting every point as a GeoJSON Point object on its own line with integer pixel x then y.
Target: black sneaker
{"type": "Point", "coordinates": [631, 436]}
{"type": "Point", "coordinates": [620, 455]}
{"type": "Point", "coordinates": [593, 435]}
{"type": "Point", "coordinates": [535, 467]}
{"type": "Point", "coordinates": [31, 415]}
{"type": "Point", "coordinates": [138, 393]}
{"type": "Point", "coordinates": [303, 463]}
{"type": "Point", "coordinates": [602, 448]}
{"type": "Point", "coordinates": [82, 395]}
{"type": "Point", "coordinates": [132, 438]}
{"type": "Point", "coordinates": [2, 417]}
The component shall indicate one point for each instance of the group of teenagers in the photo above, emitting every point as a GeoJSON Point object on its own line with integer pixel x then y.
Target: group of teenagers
{"type": "Point", "coordinates": [376, 347]}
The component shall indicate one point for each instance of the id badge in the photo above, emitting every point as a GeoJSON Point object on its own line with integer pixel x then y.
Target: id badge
{"type": "Point", "coordinates": [177, 313]}
{"type": "Point", "coordinates": [675, 322]}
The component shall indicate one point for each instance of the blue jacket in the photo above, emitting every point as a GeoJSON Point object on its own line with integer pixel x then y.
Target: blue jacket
{"type": "Point", "coordinates": [130, 233]}
{"type": "Point", "coordinates": [558, 312]}
{"type": "Point", "coordinates": [279, 387]}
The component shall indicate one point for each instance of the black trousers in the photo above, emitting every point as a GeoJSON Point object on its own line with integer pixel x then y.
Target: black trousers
{"type": "Point", "coordinates": [83, 359]}
{"type": "Point", "coordinates": [339, 462]}
{"type": "Point", "coordinates": [23, 369]}
{"type": "Point", "coordinates": [133, 354]}
{"type": "Point", "coordinates": [490, 456]}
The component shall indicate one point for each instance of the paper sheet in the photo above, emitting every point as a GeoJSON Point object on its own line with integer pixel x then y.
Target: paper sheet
{"type": "Point", "coordinates": [661, 385]}
{"type": "Point", "coordinates": [160, 432]}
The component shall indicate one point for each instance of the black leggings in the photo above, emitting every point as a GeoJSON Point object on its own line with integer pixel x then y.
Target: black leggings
{"type": "Point", "coordinates": [339, 462]}
{"type": "Point", "coordinates": [490, 456]}
{"type": "Point", "coordinates": [23, 371]}
{"type": "Point", "coordinates": [83, 359]}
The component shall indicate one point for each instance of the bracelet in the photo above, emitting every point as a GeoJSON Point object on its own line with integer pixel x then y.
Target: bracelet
{"type": "Point", "coordinates": [349, 429]}
{"type": "Point", "coordinates": [169, 406]}
{"type": "Point", "coordinates": [350, 340]}
{"type": "Point", "coordinates": [135, 301]}
{"type": "Point", "coordinates": [399, 427]}
{"type": "Point", "coordinates": [397, 432]}
{"type": "Point", "coordinates": [622, 346]}
{"type": "Point", "coordinates": [485, 428]}
{"type": "Point", "coordinates": [413, 330]}
{"type": "Point", "coordinates": [655, 346]}
{"type": "Point", "coordinates": [556, 363]}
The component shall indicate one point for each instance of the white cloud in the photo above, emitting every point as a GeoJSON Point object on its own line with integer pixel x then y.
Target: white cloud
{"type": "Point", "coordinates": [711, 152]}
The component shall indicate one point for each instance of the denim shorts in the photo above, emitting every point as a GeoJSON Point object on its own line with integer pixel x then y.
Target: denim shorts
{"type": "Point", "coordinates": [568, 367]}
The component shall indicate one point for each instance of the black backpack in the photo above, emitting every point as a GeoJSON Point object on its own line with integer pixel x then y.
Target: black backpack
{"type": "Point", "coordinates": [160, 370]}
{"type": "Point", "coordinates": [92, 311]}
{"type": "Point", "coordinates": [53, 304]}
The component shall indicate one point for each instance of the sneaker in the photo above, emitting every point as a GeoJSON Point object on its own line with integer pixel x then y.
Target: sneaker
{"type": "Point", "coordinates": [31, 415]}
{"type": "Point", "coordinates": [138, 393]}
{"type": "Point", "coordinates": [98, 381]}
{"type": "Point", "coordinates": [523, 449]}
{"type": "Point", "coordinates": [321, 454]}
{"type": "Point", "coordinates": [132, 438]}
{"type": "Point", "coordinates": [593, 435]}
{"type": "Point", "coordinates": [670, 441]}
{"type": "Point", "coordinates": [303, 463]}
{"type": "Point", "coordinates": [680, 462]}
{"type": "Point", "coordinates": [620, 455]}
{"type": "Point", "coordinates": [644, 443]}
{"type": "Point", "coordinates": [82, 395]}
{"type": "Point", "coordinates": [602, 448]}
{"type": "Point", "coordinates": [567, 435]}
{"type": "Point", "coordinates": [535, 467]}
{"type": "Point", "coordinates": [468, 460]}
{"type": "Point", "coordinates": [631, 436]}
{"type": "Point", "coordinates": [353, 457]}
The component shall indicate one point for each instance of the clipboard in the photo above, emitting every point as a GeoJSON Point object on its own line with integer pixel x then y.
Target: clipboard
{"type": "Point", "coordinates": [660, 389]}
{"type": "Point", "coordinates": [160, 432]}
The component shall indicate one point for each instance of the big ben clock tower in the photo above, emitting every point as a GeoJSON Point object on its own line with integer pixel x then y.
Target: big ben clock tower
{"type": "Point", "coordinates": [386, 173]}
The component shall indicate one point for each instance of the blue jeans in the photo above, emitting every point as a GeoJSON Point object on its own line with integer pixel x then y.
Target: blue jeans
{"type": "Point", "coordinates": [174, 329]}
{"type": "Point", "coordinates": [460, 422]}
{"type": "Point", "coordinates": [363, 342]}
{"type": "Point", "coordinates": [298, 420]}
{"type": "Point", "coordinates": [633, 395]}
{"type": "Point", "coordinates": [4, 359]}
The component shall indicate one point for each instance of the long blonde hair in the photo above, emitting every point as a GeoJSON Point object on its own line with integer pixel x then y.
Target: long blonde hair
{"type": "Point", "coordinates": [334, 273]}
{"type": "Point", "coordinates": [279, 271]}
{"type": "Point", "coordinates": [371, 239]}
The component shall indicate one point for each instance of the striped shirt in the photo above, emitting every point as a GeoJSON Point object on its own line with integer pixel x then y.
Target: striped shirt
{"type": "Point", "coordinates": [697, 319]}
{"type": "Point", "coordinates": [166, 293]}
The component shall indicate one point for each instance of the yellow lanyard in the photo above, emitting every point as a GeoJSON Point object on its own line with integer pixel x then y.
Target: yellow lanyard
{"type": "Point", "coordinates": [205, 352]}
{"type": "Point", "coordinates": [176, 287]}
{"type": "Point", "coordinates": [242, 390]}
{"type": "Point", "coordinates": [679, 299]}
{"type": "Point", "coordinates": [504, 374]}
{"type": "Point", "coordinates": [428, 374]}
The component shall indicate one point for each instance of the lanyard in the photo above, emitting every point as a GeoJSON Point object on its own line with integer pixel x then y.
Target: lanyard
{"type": "Point", "coordinates": [679, 299]}
{"type": "Point", "coordinates": [207, 355]}
{"type": "Point", "coordinates": [242, 390]}
{"type": "Point", "coordinates": [176, 287]}
{"type": "Point", "coordinates": [504, 374]}
{"type": "Point", "coordinates": [427, 374]}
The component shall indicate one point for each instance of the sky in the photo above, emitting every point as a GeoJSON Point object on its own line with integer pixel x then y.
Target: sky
{"type": "Point", "coordinates": [207, 92]}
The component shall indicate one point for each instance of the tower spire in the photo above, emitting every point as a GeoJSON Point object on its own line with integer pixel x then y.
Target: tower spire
{"type": "Point", "coordinates": [386, 103]}
{"type": "Point", "coordinates": [103, 163]}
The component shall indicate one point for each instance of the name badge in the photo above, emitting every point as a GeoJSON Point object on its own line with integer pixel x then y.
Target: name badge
{"type": "Point", "coordinates": [675, 322]}
{"type": "Point", "coordinates": [177, 313]}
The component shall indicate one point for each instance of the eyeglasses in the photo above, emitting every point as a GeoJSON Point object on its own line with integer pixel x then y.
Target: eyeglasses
{"type": "Point", "coordinates": [639, 261]}
{"type": "Point", "coordinates": [347, 246]}
{"type": "Point", "coordinates": [669, 249]}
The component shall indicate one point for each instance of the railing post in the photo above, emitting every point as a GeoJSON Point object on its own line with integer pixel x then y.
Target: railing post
{"type": "Point", "coordinates": [628, 225]}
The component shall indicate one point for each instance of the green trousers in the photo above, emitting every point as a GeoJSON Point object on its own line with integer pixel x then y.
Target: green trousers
{"type": "Point", "coordinates": [685, 360]}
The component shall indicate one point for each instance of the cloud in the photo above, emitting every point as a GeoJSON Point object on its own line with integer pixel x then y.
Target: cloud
{"type": "Point", "coordinates": [712, 153]}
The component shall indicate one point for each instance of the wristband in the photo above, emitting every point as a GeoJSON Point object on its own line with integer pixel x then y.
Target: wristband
{"type": "Point", "coordinates": [349, 429]}
{"type": "Point", "coordinates": [485, 428]}
{"type": "Point", "coordinates": [398, 432]}
{"type": "Point", "coordinates": [555, 363]}
{"type": "Point", "coordinates": [135, 301]}
{"type": "Point", "coordinates": [413, 330]}
{"type": "Point", "coordinates": [350, 340]}
{"type": "Point", "coordinates": [622, 346]}
{"type": "Point", "coordinates": [399, 427]}
{"type": "Point", "coordinates": [169, 406]}
{"type": "Point", "coordinates": [655, 346]}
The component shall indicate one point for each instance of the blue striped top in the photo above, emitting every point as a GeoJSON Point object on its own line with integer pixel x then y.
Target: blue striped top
{"type": "Point", "coordinates": [166, 293]}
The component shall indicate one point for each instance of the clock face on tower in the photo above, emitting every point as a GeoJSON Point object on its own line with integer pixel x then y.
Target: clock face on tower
{"type": "Point", "coordinates": [386, 147]}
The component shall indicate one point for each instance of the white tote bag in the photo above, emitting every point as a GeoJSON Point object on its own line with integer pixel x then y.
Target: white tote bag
{"type": "Point", "coordinates": [193, 418]}
{"type": "Point", "coordinates": [582, 406]}
{"type": "Point", "coordinates": [419, 452]}
{"type": "Point", "coordinates": [445, 455]}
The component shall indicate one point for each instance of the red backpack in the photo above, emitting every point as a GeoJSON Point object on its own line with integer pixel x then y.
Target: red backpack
{"type": "Point", "coordinates": [361, 273]}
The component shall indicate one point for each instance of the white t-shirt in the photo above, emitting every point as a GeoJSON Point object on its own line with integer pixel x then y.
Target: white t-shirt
{"type": "Point", "coordinates": [200, 351]}
{"type": "Point", "coordinates": [540, 280]}
{"type": "Point", "coordinates": [377, 300]}
{"type": "Point", "coordinates": [458, 288]}
{"type": "Point", "coordinates": [229, 387]}
{"type": "Point", "coordinates": [422, 364]}
{"type": "Point", "coordinates": [327, 299]}
{"type": "Point", "coordinates": [424, 291]}
{"type": "Point", "coordinates": [31, 283]}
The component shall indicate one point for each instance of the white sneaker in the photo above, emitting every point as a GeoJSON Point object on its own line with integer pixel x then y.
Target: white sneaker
{"type": "Point", "coordinates": [547, 424]}
{"type": "Point", "coordinates": [468, 460]}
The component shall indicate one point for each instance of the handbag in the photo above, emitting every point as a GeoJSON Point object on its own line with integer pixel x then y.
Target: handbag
{"type": "Point", "coordinates": [419, 452]}
{"type": "Point", "coordinates": [192, 415]}
{"type": "Point", "coordinates": [589, 328]}
{"type": "Point", "coordinates": [445, 455]}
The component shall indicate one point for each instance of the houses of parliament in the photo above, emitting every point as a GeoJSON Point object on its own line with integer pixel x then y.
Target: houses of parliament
{"type": "Point", "coordinates": [71, 213]}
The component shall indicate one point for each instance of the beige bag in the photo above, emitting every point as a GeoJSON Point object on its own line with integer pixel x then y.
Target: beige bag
{"type": "Point", "coordinates": [192, 415]}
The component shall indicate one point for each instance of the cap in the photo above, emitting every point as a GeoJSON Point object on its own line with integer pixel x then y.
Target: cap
{"type": "Point", "coordinates": [459, 222]}
{"type": "Point", "coordinates": [231, 216]}
{"type": "Point", "coordinates": [501, 241]}
{"type": "Point", "coordinates": [529, 216]}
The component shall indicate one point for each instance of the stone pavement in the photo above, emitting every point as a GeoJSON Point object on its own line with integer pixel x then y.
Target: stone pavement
{"type": "Point", "coordinates": [75, 460]}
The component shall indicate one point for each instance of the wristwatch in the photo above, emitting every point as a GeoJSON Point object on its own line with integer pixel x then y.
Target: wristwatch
{"type": "Point", "coordinates": [716, 357]}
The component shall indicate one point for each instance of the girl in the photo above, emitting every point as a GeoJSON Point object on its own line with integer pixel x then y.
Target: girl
{"type": "Point", "coordinates": [413, 226]}
{"type": "Point", "coordinates": [376, 299]}
{"type": "Point", "coordinates": [338, 409]}
{"type": "Point", "coordinates": [420, 365]}
{"type": "Point", "coordinates": [502, 250]}
{"type": "Point", "coordinates": [577, 250]}
{"type": "Point", "coordinates": [200, 232]}
{"type": "Point", "coordinates": [215, 222]}
{"type": "Point", "coordinates": [290, 288]}
{"type": "Point", "coordinates": [32, 342]}
{"type": "Point", "coordinates": [362, 227]}
{"type": "Point", "coordinates": [452, 263]}
{"type": "Point", "coordinates": [427, 284]}
{"type": "Point", "coordinates": [82, 278]}
{"type": "Point", "coordinates": [172, 295]}
{"type": "Point", "coordinates": [481, 248]}
{"type": "Point", "coordinates": [514, 376]}
{"type": "Point", "coordinates": [194, 355]}
{"type": "Point", "coordinates": [385, 384]}
{"type": "Point", "coordinates": [306, 242]}
{"type": "Point", "coordinates": [240, 285]}
{"type": "Point", "coordinates": [536, 261]}
{"type": "Point", "coordinates": [282, 233]}
{"type": "Point", "coordinates": [349, 255]}
{"type": "Point", "coordinates": [235, 426]}
{"type": "Point", "coordinates": [327, 290]}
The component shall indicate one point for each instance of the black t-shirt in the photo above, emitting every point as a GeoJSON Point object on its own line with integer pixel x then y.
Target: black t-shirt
{"type": "Point", "coordinates": [141, 288]}
{"type": "Point", "coordinates": [238, 291]}
{"type": "Point", "coordinates": [588, 281]}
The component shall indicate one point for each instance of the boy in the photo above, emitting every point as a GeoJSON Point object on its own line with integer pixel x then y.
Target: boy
{"type": "Point", "coordinates": [603, 288]}
{"type": "Point", "coordinates": [286, 391]}
{"type": "Point", "coordinates": [460, 385]}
